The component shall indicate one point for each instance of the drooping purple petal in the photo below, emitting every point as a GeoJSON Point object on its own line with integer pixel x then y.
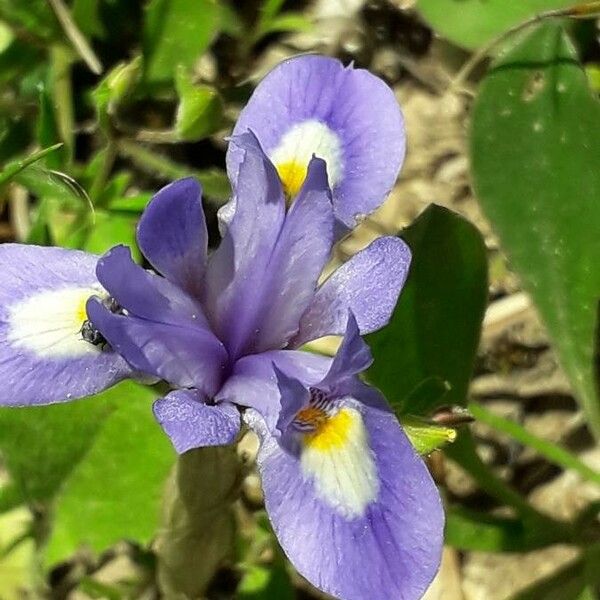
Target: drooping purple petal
{"type": "Point", "coordinates": [294, 396]}
{"type": "Point", "coordinates": [360, 516]}
{"type": "Point", "coordinates": [368, 285]}
{"type": "Point", "coordinates": [299, 256]}
{"type": "Point", "coordinates": [253, 381]}
{"type": "Point", "coordinates": [191, 423]}
{"type": "Point", "coordinates": [352, 358]}
{"type": "Point", "coordinates": [144, 294]}
{"type": "Point", "coordinates": [189, 357]}
{"type": "Point", "coordinates": [236, 269]}
{"type": "Point", "coordinates": [314, 105]}
{"type": "Point", "coordinates": [43, 356]}
{"type": "Point", "coordinates": [172, 234]}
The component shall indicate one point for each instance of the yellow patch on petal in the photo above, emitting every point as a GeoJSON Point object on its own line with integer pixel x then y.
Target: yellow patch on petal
{"type": "Point", "coordinates": [331, 432]}
{"type": "Point", "coordinates": [337, 457]}
{"type": "Point", "coordinates": [292, 176]}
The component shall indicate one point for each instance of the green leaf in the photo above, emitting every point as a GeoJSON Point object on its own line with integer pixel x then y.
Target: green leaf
{"type": "Point", "coordinates": [15, 168]}
{"type": "Point", "coordinates": [110, 229]}
{"type": "Point", "coordinates": [535, 151]}
{"type": "Point", "coordinates": [176, 32]}
{"type": "Point", "coordinates": [200, 109]}
{"type": "Point", "coordinates": [435, 327]}
{"type": "Point", "coordinates": [262, 583]}
{"type": "Point", "coordinates": [86, 14]}
{"type": "Point", "coordinates": [288, 21]}
{"type": "Point", "coordinates": [47, 131]}
{"type": "Point", "coordinates": [551, 452]}
{"type": "Point", "coordinates": [475, 531]}
{"type": "Point", "coordinates": [115, 492]}
{"type": "Point", "coordinates": [472, 23]}
{"type": "Point", "coordinates": [425, 436]}
{"type": "Point", "coordinates": [41, 445]}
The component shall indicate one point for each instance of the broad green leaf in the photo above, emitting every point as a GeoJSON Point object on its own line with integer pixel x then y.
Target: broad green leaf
{"type": "Point", "coordinates": [200, 109]}
{"type": "Point", "coordinates": [535, 151]}
{"type": "Point", "coordinates": [476, 531]}
{"type": "Point", "coordinates": [41, 445]}
{"type": "Point", "coordinates": [131, 204]}
{"type": "Point", "coordinates": [435, 328]}
{"type": "Point", "coordinates": [472, 23]}
{"type": "Point", "coordinates": [176, 32]}
{"type": "Point", "coordinates": [115, 491]}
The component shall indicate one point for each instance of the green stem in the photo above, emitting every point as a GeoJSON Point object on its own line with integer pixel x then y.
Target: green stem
{"type": "Point", "coordinates": [104, 170]}
{"type": "Point", "coordinates": [198, 526]}
{"type": "Point", "coordinates": [551, 452]}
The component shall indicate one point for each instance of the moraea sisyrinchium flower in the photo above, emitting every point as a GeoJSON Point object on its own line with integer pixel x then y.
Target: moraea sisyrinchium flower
{"type": "Point", "coordinates": [352, 504]}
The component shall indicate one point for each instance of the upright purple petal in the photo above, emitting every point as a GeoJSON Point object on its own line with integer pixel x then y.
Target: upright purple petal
{"type": "Point", "coordinates": [172, 234]}
{"type": "Point", "coordinates": [368, 285]}
{"type": "Point", "coordinates": [348, 117]}
{"type": "Point", "coordinates": [303, 248]}
{"type": "Point", "coordinates": [352, 358]}
{"type": "Point", "coordinates": [236, 269]}
{"type": "Point", "coordinates": [146, 294]}
{"type": "Point", "coordinates": [253, 381]}
{"type": "Point", "coordinates": [356, 512]}
{"type": "Point", "coordinates": [43, 356]}
{"type": "Point", "coordinates": [191, 423]}
{"type": "Point", "coordinates": [189, 357]}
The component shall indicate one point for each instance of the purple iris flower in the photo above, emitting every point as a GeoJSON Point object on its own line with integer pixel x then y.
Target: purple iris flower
{"type": "Point", "coordinates": [348, 117]}
{"type": "Point", "coordinates": [353, 506]}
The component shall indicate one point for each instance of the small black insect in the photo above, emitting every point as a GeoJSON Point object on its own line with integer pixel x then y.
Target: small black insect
{"type": "Point", "coordinates": [91, 335]}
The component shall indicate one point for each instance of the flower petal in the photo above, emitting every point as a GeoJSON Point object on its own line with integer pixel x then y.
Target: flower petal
{"type": "Point", "coordinates": [368, 285]}
{"type": "Point", "coordinates": [145, 294]}
{"type": "Point", "coordinates": [314, 105]}
{"type": "Point", "coordinates": [299, 256]}
{"type": "Point", "coordinates": [253, 381]}
{"type": "Point", "coordinates": [172, 234]}
{"type": "Point", "coordinates": [189, 357]}
{"type": "Point", "coordinates": [191, 423]}
{"type": "Point", "coordinates": [43, 356]}
{"type": "Point", "coordinates": [352, 358]}
{"type": "Point", "coordinates": [357, 512]}
{"type": "Point", "coordinates": [233, 279]}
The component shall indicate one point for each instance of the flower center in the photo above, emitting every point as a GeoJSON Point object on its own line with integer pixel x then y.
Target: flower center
{"type": "Point", "coordinates": [325, 426]}
{"type": "Point", "coordinates": [292, 175]}
{"type": "Point", "coordinates": [296, 148]}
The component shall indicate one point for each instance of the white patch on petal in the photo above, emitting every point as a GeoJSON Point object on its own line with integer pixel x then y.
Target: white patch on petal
{"type": "Point", "coordinates": [49, 322]}
{"type": "Point", "coordinates": [298, 144]}
{"type": "Point", "coordinates": [339, 461]}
